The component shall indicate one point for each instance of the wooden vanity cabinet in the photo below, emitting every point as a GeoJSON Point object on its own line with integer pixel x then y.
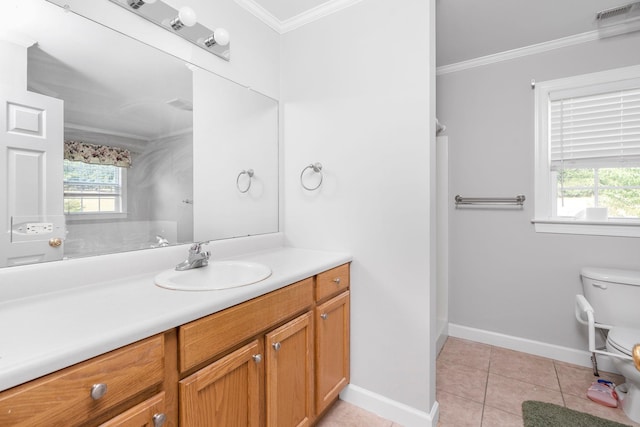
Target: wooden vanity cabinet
{"type": "Point", "coordinates": [87, 392]}
{"type": "Point", "coordinates": [266, 382]}
{"type": "Point", "coordinates": [228, 392]}
{"type": "Point", "coordinates": [278, 360]}
{"type": "Point", "coordinates": [289, 373]}
{"type": "Point", "coordinates": [332, 335]}
{"type": "Point", "coordinates": [269, 380]}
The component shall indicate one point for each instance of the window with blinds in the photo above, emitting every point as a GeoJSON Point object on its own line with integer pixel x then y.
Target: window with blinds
{"type": "Point", "coordinates": [93, 189]}
{"type": "Point", "coordinates": [588, 154]}
{"type": "Point", "coordinates": [589, 146]}
{"type": "Point", "coordinates": [596, 130]}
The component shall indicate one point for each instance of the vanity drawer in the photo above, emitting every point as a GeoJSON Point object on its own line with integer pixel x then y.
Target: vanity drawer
{"type": "Point", "coordinates": [64, 398]}
{"type": "Point", "coordinates": [332, 282]}
{"type": "Point", "coordinates": [151, 412]}
{"type": "Point", "coordinates": [205, 338]}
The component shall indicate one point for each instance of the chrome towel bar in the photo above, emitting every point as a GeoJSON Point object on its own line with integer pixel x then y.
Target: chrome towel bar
{"type": "Point", "coordinates": [516, 201]}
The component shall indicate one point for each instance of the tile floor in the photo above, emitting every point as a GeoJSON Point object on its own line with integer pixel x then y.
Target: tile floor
{"type": "Point", "coordinates": [344, 414]}
{"type": "Point", "coordinates": [484, 386]}
{"type": "Point", "coordinates": [479, 385]}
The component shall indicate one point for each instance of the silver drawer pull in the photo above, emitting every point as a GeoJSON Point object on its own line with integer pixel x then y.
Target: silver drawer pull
{"type": "Point", "coordinates": [276, 346]}
{"type": "Point", "coordinates": [257, 358]}
{"type": "Point", "coordinates": [337, 280]}
{"type": "Point", "coordinates": [324, 316]}
{"type": "Point", "coordinates": [98, 390]}
{"type": "Point", "coordinates": [159, 420]}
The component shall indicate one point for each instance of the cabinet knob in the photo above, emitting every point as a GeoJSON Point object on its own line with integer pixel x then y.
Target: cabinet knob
{"type": "Point", "coordinates": [98, 390]}
{"type": "Point", "coordinates": [337, 280]}
{"type": "Point", "coordinates": [276, 346]}
{"type": "Point", "coordinates": [159, 420]}
{"type": "Point", "coordinates": [55, 242]}
{"type": "Point", "coordinates": [257, 358]}
{"type": "Point", "coordinates": [324, 316]}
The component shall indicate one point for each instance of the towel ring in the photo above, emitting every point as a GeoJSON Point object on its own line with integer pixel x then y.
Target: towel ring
{"type": "Point", "coordinates": [248, 172]}
{"type": "Point", "coordinates": [317, 168]}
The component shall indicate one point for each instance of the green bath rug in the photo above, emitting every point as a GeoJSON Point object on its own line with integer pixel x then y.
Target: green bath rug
{"type": "Point", "coordinates": [541, 414]}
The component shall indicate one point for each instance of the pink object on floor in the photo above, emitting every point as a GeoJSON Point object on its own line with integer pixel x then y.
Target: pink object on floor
{"type": "Point", "coordinates": [603, 393]}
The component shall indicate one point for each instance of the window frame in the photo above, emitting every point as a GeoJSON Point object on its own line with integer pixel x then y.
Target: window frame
{"type": "Point", "coordinates": [543, 220]}
{"type": "Point", "coordinates": [88, 216]}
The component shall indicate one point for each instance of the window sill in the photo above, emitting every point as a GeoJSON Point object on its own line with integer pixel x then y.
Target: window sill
{"type": "Point", "coordinates": [79, 217]}
{"type": "Point", "coordinates": [616, 228]}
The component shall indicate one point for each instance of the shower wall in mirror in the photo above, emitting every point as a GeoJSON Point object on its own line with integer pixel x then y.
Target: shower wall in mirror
{"type": "Point", "coordinates": [98, 138]}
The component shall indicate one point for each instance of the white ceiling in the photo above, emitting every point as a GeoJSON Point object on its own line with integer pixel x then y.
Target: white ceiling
{"type": "Point", "coordinates": [284, 10]}
{"type": "Point", "coordinates": [286, 15]}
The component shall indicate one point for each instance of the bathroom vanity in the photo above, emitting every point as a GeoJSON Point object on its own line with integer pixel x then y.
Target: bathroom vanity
{"type": "Point", "coordinates": [274, 353]}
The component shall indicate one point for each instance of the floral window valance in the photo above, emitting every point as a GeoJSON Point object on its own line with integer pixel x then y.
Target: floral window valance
{"type": "Point", "coordinates": [96, 154]}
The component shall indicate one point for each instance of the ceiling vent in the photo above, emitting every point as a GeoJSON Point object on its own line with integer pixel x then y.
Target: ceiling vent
{"type": "Point", "coordinates": [615, 11]}
{"type": "Point", "coordinates": [619, 20]}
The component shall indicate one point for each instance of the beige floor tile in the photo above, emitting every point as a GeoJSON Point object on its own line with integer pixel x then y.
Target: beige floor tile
{"type": "Point", "coordinates": [493, 417]}
{"type": "Point", "coordinates": [575, 380]}
{"type": "Point", "coordinates": [343, 414]}
{"type": "Point", "coordinates": [593, 408]}
{"type": "Point", "coordinates": [455, 411]}
{"type": "Point", "coordinates": [508, 394]}
{"type": "Point", "coordinates": [474, 355]}
{"type": "Point", "coordinates": [462, 381]}
{"type": "Point", "coordinates": [524, 367]}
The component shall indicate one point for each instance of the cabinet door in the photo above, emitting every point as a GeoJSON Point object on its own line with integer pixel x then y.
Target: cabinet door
{"type": "Point", "coordinates": [150, 413]}
{"type": "Point", "coordinates": [289, 373]}
{"type": "Point", "coordinates": [332, 349]}
{"type": "Point", "coordinates": [226, 393]}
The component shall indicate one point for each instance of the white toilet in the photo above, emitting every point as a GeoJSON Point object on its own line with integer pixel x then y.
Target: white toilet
{"type": "Point", "coordinates": [614, 296]}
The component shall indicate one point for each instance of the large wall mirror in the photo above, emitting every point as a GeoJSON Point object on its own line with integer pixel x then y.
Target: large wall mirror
{"type": "Point", "coordinates": [112, 145]}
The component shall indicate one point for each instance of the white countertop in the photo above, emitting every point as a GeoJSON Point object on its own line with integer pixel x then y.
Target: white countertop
{"type": "Point", "coordinates": [40, 334]}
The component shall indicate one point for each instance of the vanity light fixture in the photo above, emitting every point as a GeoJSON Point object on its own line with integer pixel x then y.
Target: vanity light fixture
{"type": "Point", "coordinates": [182, 22]}
{"type": "Point", "coordinates": [136, 4]}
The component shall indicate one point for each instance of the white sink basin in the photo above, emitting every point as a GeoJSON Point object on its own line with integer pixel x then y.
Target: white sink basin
{"type": "Point", "coordinates": [217, 275]}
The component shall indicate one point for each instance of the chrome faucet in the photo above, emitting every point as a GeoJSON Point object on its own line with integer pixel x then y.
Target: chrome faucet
{"type": "Point", "coordinates": [197, 258]}
{"type": "Point", "coordinates": [161, 241]}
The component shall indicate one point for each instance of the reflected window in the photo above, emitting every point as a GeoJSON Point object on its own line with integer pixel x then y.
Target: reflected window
{"type": "Point", "coordinates": [92, 189]}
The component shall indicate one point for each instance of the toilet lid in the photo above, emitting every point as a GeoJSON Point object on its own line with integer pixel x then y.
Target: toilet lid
{"type": "Point", "coordinates": [623, 339]}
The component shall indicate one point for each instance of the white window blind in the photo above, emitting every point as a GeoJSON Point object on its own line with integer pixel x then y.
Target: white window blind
{"type": "Point", "coordinates": [601, 130]}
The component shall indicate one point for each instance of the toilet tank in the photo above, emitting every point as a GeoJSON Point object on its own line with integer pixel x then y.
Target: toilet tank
{"type": "Point", "coordinates": [614, 295]}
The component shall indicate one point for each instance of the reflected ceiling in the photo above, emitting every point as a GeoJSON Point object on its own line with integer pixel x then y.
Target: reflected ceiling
{"type": "Point", "coordinates": [137, 102]}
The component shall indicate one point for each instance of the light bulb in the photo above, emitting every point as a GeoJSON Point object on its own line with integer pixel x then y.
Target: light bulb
{"type": "Point", "coordinates": [186, 18]}
{"type": "Point", "coordinates": [219, 36]}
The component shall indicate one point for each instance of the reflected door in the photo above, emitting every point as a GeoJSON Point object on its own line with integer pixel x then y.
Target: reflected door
{"type": "Point", "coordinates": [31, 152]}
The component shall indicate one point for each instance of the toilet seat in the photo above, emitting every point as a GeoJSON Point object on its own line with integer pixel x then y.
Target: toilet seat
{"type": "Point", "coordinates": [623, 339]}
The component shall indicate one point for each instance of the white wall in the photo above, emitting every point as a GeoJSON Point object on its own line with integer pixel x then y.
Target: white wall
{"type": "Point", "coordinates": [361, 104]}
{"type": "Point", "coordinates": [504, 277]}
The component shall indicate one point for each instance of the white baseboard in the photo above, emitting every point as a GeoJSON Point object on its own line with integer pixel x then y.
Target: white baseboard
{"type": "Point", "coordinates": [391, 410]}
{"type": "Point", "coordinates": [443, 333]}
{"type": "Point", "coordinates": [538, 348]}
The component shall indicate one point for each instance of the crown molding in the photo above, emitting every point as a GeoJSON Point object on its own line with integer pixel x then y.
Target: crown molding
{"type": "Point", "coordinates": [520, 52]}
{"type": "Point", "coordinates": [331, 6]}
